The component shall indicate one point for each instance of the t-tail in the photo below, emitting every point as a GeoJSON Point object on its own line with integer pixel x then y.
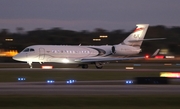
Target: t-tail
{"type": "Point", "coordinates": [136, 38]}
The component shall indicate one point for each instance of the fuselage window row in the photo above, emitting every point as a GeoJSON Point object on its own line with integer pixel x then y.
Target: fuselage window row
{"type": "Point", "coordinates": [72, 52]}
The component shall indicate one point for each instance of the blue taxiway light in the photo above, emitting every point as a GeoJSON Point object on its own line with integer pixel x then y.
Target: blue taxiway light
{"type": "Point", "coordinates": [21, 79]}
{"type": "Point", "coordinates": [50, 81]}
{"type": "Point", "coordinates": [129, 82]}
{"type": "Point", "coordinates": [70, 81]}
{"type": "Point", "coordinates": [137, 64]}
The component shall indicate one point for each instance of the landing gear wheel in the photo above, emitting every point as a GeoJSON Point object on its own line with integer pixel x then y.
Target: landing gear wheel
{"type": "Point", "coordinates": [99, 65]}
{"type": "Point", "coordinates": [84, 66]}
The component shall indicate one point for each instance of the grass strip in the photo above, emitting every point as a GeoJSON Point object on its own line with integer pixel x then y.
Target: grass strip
{"type": "Point", "coordinates": [150, 101]}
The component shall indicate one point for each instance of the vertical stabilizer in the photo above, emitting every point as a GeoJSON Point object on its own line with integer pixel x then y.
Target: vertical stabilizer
{"type": "Point", "coordinates": [136, 38]}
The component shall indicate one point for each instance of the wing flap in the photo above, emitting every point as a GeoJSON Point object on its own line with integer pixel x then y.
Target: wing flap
{"type": "Point", "coordinates": [103, 59]}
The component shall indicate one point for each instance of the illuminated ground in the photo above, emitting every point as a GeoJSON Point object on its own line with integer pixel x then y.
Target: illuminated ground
{"type": "Point", "coordinates": [15, 96]}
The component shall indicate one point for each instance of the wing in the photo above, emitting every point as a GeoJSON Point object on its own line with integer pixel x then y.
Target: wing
{"type": "Point", "coordinates": [103, 59]}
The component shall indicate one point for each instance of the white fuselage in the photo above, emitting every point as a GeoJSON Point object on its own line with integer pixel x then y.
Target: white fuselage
{"type": "Point", "coordinates": [72, 54]}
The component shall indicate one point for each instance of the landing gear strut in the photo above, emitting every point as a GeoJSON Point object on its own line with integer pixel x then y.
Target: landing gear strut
{"type": "Point", "coordinates": [30, 64]}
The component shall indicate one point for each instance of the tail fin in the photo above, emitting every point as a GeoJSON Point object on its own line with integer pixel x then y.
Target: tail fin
{"type": "Point", "coordinates": [136, 38]}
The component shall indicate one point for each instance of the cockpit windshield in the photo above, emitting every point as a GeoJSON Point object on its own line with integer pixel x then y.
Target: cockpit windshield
{"type": "Point", "coordinates": [28, 50]}
{"type": "Point", "coordinates": [31, 49]}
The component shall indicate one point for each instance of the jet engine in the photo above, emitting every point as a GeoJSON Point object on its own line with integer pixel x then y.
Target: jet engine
{"type": "Point", "coordinates": [125, 50]}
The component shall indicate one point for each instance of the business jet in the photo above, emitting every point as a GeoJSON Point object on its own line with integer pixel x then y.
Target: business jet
{"type": "Point", "coordinates": [84, 55]}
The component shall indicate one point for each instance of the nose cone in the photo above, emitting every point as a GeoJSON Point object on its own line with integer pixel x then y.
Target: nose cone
{"type": "Point", "coordinates": [15, 57]}
{"type": "Point", "coordinates": [18, 57]}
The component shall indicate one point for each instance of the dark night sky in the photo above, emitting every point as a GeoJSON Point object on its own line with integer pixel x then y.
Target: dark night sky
{"type": "Point", "coordinates": [87, 14]}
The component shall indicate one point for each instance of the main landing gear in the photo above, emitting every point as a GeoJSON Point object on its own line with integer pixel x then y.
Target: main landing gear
{"type": "Point", "coordinates": [99, 65]}
{"type": "Point", "coordinates": [84, 66]}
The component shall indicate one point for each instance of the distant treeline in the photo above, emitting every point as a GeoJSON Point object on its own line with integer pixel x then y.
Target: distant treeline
{"type": "Point", "coordinates": [58, 36]}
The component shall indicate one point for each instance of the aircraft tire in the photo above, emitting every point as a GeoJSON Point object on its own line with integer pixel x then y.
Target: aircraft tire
{"type": "Point", "coordinates": [84, 66]}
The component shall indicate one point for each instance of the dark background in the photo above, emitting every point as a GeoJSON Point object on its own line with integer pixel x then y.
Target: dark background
{"type": "Point", "coordinates": [58, 36]}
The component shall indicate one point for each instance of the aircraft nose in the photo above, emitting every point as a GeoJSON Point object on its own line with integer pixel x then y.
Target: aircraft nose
{"type": "Point", "coordinates": [17, 57]}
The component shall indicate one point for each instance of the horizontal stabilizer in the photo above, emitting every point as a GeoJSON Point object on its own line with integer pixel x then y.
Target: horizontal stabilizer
{"type": "Point", "coordinates": [146, 39]}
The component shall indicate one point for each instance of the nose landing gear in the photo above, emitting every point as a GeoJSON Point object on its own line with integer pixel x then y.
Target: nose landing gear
{"type": "Point", "coordinates": [30, 64]}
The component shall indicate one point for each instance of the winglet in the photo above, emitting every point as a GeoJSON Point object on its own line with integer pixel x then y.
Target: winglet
{"type": "Point", "coordinates": [156, 52]}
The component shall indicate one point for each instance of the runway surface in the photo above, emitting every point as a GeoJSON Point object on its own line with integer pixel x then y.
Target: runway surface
{"type": "Point", "coordinates": [20, 88]}
{"type": "Point", "coordinates": [98, 88]}
{"type": "Point", "coordinates": [107, 67]}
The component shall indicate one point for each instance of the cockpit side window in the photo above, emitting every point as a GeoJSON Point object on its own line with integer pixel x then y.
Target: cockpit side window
{"type": "Point", "coordinates": [31, 49]}
{"type": "Point", "coordinates": [26, 50]}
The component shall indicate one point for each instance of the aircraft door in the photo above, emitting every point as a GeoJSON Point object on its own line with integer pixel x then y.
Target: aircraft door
{"type": "Point", "coordinates": [41, 53]}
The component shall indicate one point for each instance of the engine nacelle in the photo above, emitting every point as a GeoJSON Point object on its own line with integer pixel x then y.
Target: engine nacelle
{"type": "Point", "coordinates": [125, 50]}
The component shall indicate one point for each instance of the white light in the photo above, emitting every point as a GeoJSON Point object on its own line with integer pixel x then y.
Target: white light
{"type": "Point", "coordinates": [129, 67]}
{"type": "Point", "coordinates": [167, 64]}
{"type": "Point", "coordinates": [103, 36]}
{"type": "Point", "coordinates": [170, 56]}
{"type": "Point", "coordinates": [65, 60]}
{"type": "Point", "coordinates": [8, 39]}
{"type": "Point", "coordinates": [96, 39]}
{"type": "Point", "coordinates": [47, 67]}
